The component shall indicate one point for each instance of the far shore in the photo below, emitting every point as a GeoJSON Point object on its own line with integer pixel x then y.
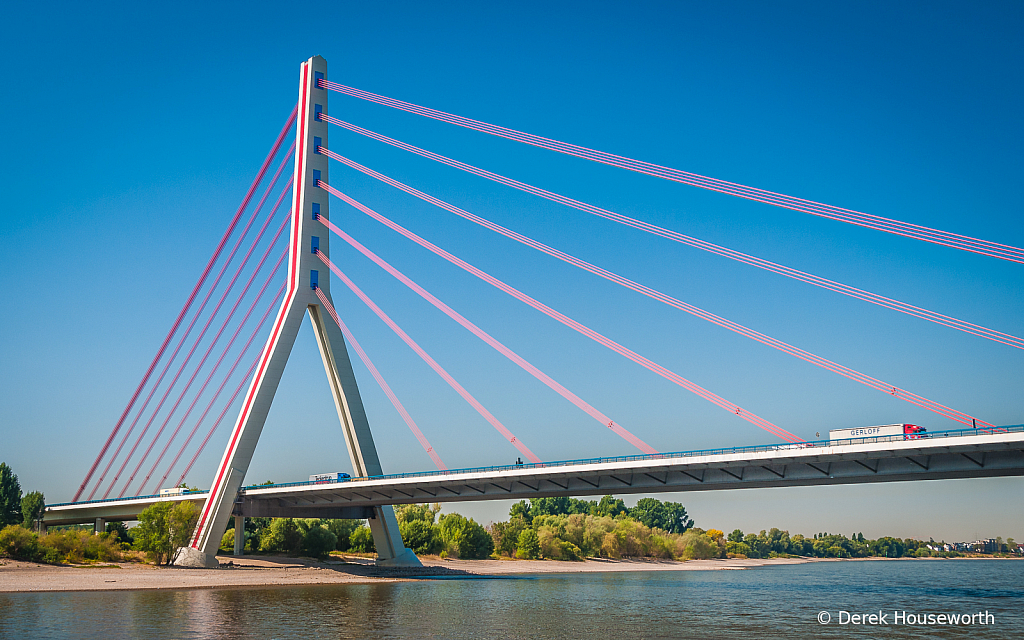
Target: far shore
{"type": "Point", "coordinates": [269, 571]}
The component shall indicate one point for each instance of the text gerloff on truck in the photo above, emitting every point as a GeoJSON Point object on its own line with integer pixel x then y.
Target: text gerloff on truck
{"type": "Point", "coordinates": [907, 431]}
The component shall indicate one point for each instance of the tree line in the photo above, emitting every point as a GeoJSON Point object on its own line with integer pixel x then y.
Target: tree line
{"type": "Point", "coordinates": [558, 528]}
{"type": "Point", "coordinates": [451, 535]}
{"type": "Point", "coordinates": [15, 508]}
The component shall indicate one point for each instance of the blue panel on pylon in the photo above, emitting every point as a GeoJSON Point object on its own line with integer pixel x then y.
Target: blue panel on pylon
{"type": "Point", "coordinates": [317, 77]}
{"type": "Point", "coordinates": [316, 210]}
{"type": "Point", "coordinates": [313, 279]}
{"type": "Point", "coordinates": [316, 144]}
{"type": "Point", "coordinates": [314, 244]}
{"type": "Point", "coordinates": [317, 110]}
{"type": "Point", "coordinates": [316, 177]}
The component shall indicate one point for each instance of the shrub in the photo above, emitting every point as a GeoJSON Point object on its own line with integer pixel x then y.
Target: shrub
{"type": "Point", "coordinates": [102, 547]}
{"type": "Point", "coordinates": [227, 541]}
{"type": "Point", "coordinates": [19, 543]}
{"type": "Point", "coordinates": [506, 535]}
{"type": "Point", "coordinates": [318, 542]}
{"type": "Point", "coordinates": [698, 546]}
{"type": "Point", "coordinates": [557, 549]}
{"type": "Point", "coordinates": [627, 539]}
{"type": "Point", "coordinates": [71, 545]}
{"type": "Point", "coordinates": [361, 540]}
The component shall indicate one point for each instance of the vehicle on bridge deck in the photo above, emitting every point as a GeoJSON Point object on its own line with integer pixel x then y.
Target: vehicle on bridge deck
{"type": "Point", "coordinates": [908, 431]}
{"type": "Point", "coordinates": [327, 478]}
{"type": "Point", "coordinates": [174, 491]}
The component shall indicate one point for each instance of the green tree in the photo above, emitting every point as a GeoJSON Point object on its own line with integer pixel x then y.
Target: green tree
{"type": "Point", "coordinates": [735, 536]}
{"type": "Point", "coordinates": [283, 535]}
{"type": "Point", "coordinates": [560, 506]}
{"type": "Point", "coordinates": [609, 506]}
{"type": "Point", "coordinates": [361, 540]}
{"type": "Point", "coordinates": [737, 548]}
{"type": "Point", "coordinates": [227, 541]}
{"type": "Point", "coordinates": [152, 536]}
{"type": "Point", "coordinates": [342, 529]}
{"type": "Point", "coordinates": [521, 509]}
{"type": "Point", "coordinates": [778, 541]}
{"type": "Point", "coordinates": [801, 546]}
{"type": "Point", "coordinates": [888, 547]}
{"type": "Point", "coordinates": [758, 545]}
{"type": "Point", "coordinates": [420, 536]}
{"type": "Point", "coordinates": [667, 516]}
{"type": "Point", "coordinates": [32, 506]}
{"type": "Point", "coordinates": [254, 530]}
{"type": "Point", "coordinates": [464, 538]}
{"type": "Point", "coordinates": [528, 547]}
{"type": "Point", "coordinates": [10, 497]}
{"type": "Point", "coordinates": [506, 535]}
{"type": "Point", "coordinates": [411, 512]}
{"type": "Point", "coordinates": [477, 543]}
{"type": "Point", "coordinates": [182, 523]}
{"type": "Point", "coordinates": [165, 528]}
{"type": "Point", "coordinates": [121, 530]}
{"type": "Point", "coordinates": [318, 542]}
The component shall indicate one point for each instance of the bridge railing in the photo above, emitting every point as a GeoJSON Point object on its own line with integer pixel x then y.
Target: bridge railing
{"type": "Point", "coordinates": [153, 495]}
{"type": "Point", "coordinates": [667, 456]}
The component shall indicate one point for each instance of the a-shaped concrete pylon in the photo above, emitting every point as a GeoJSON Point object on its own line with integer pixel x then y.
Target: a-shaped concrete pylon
{"type": "Point", "coordinates": [304, 268]}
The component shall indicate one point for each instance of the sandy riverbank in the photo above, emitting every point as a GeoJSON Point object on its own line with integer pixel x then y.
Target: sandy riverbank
{"type": "Point", "coordinates": [261, 571]}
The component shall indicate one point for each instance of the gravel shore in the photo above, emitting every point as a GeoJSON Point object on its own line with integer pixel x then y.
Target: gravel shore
{"type": "Point", "coordinates": [263, 571]}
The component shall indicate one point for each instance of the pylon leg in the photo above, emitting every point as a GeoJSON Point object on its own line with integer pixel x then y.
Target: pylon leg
{"type": "Point", "coordinates": [391, 551]}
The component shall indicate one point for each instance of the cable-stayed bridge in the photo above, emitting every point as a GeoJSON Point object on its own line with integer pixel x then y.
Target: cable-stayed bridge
{"type": "Point", "coordinates": [224, 355]}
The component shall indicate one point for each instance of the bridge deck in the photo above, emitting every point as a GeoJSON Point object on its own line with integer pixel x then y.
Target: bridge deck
{"type": "Point", "coordinates": [959, 454]}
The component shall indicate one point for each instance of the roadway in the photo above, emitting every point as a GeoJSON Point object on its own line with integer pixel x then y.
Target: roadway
{"type": "Point", "coordinates": [945, 455]}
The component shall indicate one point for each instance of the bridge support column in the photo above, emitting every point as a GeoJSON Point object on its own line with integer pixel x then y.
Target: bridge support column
{"type": "Point", "coordinates": [239, 535]}
{"type": "Point", "coordinates": [100, 526]}
{"type": "Point", "coordinates": [308, 233]}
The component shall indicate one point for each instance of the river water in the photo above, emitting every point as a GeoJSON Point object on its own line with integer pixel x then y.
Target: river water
{"type": "Point", "coordinates": [770, 602]}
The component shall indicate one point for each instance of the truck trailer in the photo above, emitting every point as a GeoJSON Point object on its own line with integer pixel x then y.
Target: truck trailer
{"type": "Point", "coordinates": [908, 431]}
{"type": "Point", "coordinates": [327, 478]}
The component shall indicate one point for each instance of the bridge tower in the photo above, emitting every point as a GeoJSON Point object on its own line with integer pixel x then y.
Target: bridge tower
{"type": "Point", "coordinates": [305, 273]}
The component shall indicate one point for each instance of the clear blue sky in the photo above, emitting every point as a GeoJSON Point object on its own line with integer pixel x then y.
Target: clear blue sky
{"type": "Point", "coordinates": [133, 131]}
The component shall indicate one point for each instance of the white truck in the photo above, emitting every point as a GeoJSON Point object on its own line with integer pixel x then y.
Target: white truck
{"type": "Point", "coordinates": [326, 478]}
{"type": "Point", "coordinates": [908, 431]}
{"type": "Point", "coordinates": [174, 491]}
